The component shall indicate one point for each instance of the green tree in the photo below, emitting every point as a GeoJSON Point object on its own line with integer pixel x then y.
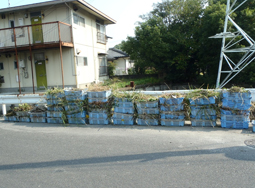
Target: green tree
{"type": "Point", "coordinates": [165, 39]}
{"type": "Point", "coordinates": [174, 39]}
{"type": "Point", "coordinates": [119, 46]}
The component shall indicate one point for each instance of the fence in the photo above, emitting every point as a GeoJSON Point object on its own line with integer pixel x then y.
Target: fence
{"type": "Point", "coordinates": [134, 76]}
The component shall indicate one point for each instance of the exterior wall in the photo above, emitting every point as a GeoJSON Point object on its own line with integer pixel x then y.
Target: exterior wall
{"type": "Point", "coordinates": [51, 14]}
{"type": "Point", "coordinates": [85, 41]}
{"type": "Point", "coordinates": [53, 69]}
{"type": "Point", "coordinates": [85, 74]}
{"type": "Point", "coordinates": [120, 66]}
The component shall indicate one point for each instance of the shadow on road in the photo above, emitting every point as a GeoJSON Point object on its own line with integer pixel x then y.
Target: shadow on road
{"type": "Point", "coordinates": [237, 153]}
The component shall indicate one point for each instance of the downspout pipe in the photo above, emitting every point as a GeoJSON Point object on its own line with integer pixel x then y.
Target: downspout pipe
{"type": "Point", "coordinates": [72, 35]}
{"type": "Point", "coordinates": [17, 59]}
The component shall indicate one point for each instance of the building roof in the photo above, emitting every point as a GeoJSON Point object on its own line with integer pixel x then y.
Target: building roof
{"type": "Point", "coordinates": [80, 3]}
{"type": "Point", "coordinates": [114, 53]}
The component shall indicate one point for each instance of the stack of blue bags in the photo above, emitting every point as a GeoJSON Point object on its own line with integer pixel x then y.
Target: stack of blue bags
{"type": "Point", "coordinates": [235, 112]}
{"type": "Point", "coordinates": [203, 112]}
{"type": "Point", "coordinates": [74, 106]}
{"type": "Point", "coordinates": [148, 113]}
{"type": "Point", "coordinates": [98, 115]}
{"type": "Point", "coordinates": [172, 113]}
{"type": "Point", "coordinates": [55, 107]}
{"type": "Point", "coordinates": [123, 111]}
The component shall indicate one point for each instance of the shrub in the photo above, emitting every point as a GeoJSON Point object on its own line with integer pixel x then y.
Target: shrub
{"type": "Point", "coordinates": [111, 67]}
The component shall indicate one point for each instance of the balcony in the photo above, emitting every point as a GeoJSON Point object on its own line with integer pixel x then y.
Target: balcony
{"type": "Point", "coordinates": [101, 38]}
{"type": "Point", "coordinates": [45, 35]}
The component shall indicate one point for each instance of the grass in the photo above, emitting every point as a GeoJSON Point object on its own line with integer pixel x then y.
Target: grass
{"type": "Point", "coordinates": [54, 91]}
{"type": "Point", "coordinates": [236, 89]}
{"type": "Point", "coordinates": [98, 87]}
{"type": "Point", "coordinates": [125, 95]}
{"type": "Point", "coordinates": [171, 95]}
{"type": "Point", "coordinates": [121, 83]}
{"type": "Point", "coordinates": [23, 107]}
{"type": "Point", "coordinates": [145, 98]}
{"type": "Point", "coordinates": [202, 93]}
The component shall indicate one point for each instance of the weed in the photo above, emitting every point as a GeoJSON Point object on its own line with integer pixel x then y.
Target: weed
{"type": "Point", "coordinates": [98, 87]}
{"type": "Point", "coordinates": [23, 107]}
{"type": "Point", "coordinates": [202, 93]}
{"type": "Point", "coordinates": [54, 91]}
{"type": "Point", "coordinates": [236, 89]}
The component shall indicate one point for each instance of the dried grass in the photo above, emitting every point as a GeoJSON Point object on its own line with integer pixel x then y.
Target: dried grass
{"type": "Point", "coordinates": [23, 107]}
{"type": "Point", "coordinates": [54, 91]}
{"type": "Point", "coordinates": [171, 95]}
{"type": "Point", "coordinates": [202, 93]}
{"type": "Point", "coordinates": [40, 108]}
{"type": "Point", "coordinates": [126, 95]}
{"type": "Point", "coordinates": [145, 98]}
{"type": "Point", "coordinates": [236, 89]}
{"type": "Point", "coordinates": [98, 87]}
{"type": "Point", "coordinates": [252, 111]}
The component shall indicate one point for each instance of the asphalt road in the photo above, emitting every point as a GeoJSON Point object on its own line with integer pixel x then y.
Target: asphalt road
{"type": "Point", "coordinates": [49, 156]}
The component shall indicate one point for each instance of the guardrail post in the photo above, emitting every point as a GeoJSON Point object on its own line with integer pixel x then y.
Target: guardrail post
{"type": "Point", "coordinates": [4, 109]}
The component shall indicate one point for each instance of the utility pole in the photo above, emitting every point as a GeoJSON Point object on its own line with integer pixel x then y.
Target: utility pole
{"type": "Point", "coordinates": [9, 4]}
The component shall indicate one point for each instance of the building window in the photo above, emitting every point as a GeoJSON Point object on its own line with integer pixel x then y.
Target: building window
{"type": "Point", "coordinates": [82, 61]}
{"type": "Point", "coordinates": [1, 79]}
{"type": "Point", "coordinates": [78, 20]}
{"type": "Point", "coordinates": [12, 25]}
{"type": "Point", "coordinates": [1, 66]}
{"type": "Point", "coordinates": [15, 65]}
{"type": "Point", "coordinates": [101, 37]}
{"type": "Point", "coordinates": [103, 66]}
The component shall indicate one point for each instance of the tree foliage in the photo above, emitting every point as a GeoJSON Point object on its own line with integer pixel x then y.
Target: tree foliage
{"type": "Point", "coordinates": [173, 38]}
{"type": "Point", "coordinates": [119, 46]}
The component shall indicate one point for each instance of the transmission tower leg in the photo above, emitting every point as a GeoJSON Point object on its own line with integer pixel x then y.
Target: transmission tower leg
{"type": "Point", "coordinates": [223, 45]}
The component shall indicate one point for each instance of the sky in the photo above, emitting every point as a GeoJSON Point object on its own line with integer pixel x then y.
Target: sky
{"type": "Point", "coordinates": [125, 12]}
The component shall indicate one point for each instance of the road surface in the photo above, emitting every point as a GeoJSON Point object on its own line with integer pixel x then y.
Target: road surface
{"type": "Point", "coordinates": [48, 155]}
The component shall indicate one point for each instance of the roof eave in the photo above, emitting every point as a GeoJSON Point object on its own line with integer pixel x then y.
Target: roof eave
{"type": "Point", "coordinates": [29, 6]}
{"type": "Point", "coordinates": [112, 21]}
{"type": "Point", "coordinates": [48, 3]}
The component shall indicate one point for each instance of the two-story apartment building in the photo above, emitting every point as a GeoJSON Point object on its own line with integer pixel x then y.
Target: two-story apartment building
{"type": "Point", "coordinates": [54, 43]}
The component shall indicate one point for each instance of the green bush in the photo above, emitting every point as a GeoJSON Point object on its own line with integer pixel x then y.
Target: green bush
{"type": "Point", "coordinates": [151, 71]}
{"type": "Point", "coordinates": [131, 71]}
{"type": "Point", "coordinates": [111, 67]}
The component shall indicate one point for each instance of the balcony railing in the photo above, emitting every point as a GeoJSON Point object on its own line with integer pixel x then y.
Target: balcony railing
{"type": "Point", "coordinates": [35, 35]}
{"type": "Point", "coordinates": [101, 38]}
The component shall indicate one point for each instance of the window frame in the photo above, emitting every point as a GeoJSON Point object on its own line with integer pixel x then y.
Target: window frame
{"type": "Point", "coordinates": [80, 20]}
{"type": "Point", "coordinates": [15, 65]}
{"type": "Point", "coordinates": [84, 61]}
{"type": "Point", "coordinates": [10, 23]}
{"type": "Point", "coordinates": [103, 67]}
{"type": "Point", "coordinates": [1, 65]}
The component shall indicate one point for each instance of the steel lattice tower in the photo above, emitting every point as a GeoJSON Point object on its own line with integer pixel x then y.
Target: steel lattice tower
{"type": "Point", "coordinates": [234, 67]}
